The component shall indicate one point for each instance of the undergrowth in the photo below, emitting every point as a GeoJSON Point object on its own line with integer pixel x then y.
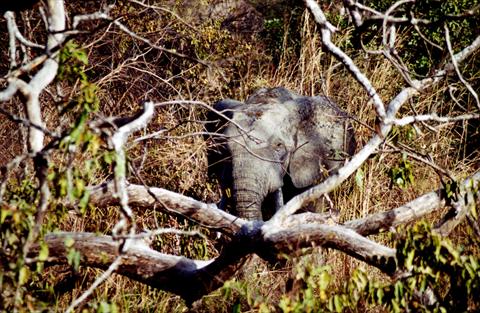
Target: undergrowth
{"type": "Point", "coordinates": [112, 76]}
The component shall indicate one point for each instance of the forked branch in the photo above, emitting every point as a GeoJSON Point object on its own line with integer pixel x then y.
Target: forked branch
{"type": "Point", "coordinates": [192, 279]}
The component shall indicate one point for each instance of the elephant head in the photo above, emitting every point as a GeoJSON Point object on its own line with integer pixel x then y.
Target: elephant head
{"type": "Point", "coordinates": [275, 138]}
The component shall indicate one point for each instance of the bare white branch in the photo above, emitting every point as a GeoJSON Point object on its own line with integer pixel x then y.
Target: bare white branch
{"type": "Point", "coordinates": [327, 29]}
{"type": "Point", "coordinates": [121, 135]}
{"type": "Point", "coordinates": [77, 19]}
{"type": "Point", "coordinates": [118, 140]}
{"type": "Point", "coordinates": [377, 15]}
{"type": "Point", "coordinates": [126, 253]}
{"type": "Point", "coordinates": [192, 279]}
{"type": "Point", "coordinates": [9, 16]}
{"type": "Point", "coordinates": [12, 25]}
{"type": "Point", "coordinates": [467, 51]}
{"type": "Point", "coordinates": [432, 117]}
{"type": "Point", "coordinates": [153, 135]}
{"type": "Point", "coordinates": [457, 70]}
{"type": "Point", "coordinates": [385, 21]}
{"type": "Point", "coordinates": [9, 92]}
{"type": "Point", "coordinates": [334, 236]}
{"type": "Point", "coordinates": [411, 211]}
{"type": "Point", "coordinates": [30, 66]}
{"type": "Point", "coordinates": [31, 91]}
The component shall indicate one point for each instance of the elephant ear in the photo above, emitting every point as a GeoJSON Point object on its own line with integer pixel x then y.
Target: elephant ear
{"type": "Point", "coordinates": [216, 124]}
{"type": "Point", "coordinates": [227, 105]}
{"type": "Point", "coordinates": [306, 166]}
{"type": "Point", "coordinates": [323, 139]}
{"type": "Point", "coordinates": [226, 108]}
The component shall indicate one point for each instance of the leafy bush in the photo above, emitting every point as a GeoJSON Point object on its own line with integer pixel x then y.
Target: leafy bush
{"type": "Point", "coordinates": [421, 55]}
{"type": "Point", "coordinates": [433, 275]}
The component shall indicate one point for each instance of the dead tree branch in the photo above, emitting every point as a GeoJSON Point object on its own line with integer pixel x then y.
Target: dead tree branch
{"type": "Point", "coordinates": [206, 214]}
{"type": "Point", "coordinates": [192, 279]}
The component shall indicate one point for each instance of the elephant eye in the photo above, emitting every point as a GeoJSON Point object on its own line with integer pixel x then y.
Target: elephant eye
{"type": "Point", "coordinates": [278, 146]}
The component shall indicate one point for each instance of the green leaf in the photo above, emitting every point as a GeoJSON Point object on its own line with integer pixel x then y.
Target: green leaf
{"type": "Point", "coordinates": [338, 303]}
{"type": "Point", "coordinates": [108, 157]}
{"type": "Point", "coordinates": [73, 258]}
{"type": "Point", "coordinates": [81, 56]}
{"type": "Point", "coordinates": [236, 308]}
{"type": "Point", "coordinates": [3, 215]}
{"type": "Point", "coordinates": [68, 242]}
{"type": "Point", "coordinates": [473, 210]}
{"type": "Point", "coordinates": [474, 262]}
{"type": "Point", "coordinates": [324, 279]}
{"type": "Point", "coordinates": [409, 260]}
{"type": "Point", "coordinates": [23, 275]}
{"type": "Point", "coordinates": [395, 307]}
{"type": "Point", "coordinates": [398, 290]}
{"type": "Point", "coordinates": [43, 253]}
{"type": "Point", "coordinates": [359, 177]}
{"type": "Point", "coordinates": [380, 294]}
{"type": "Point", "coordinates": [83, 203]}
{"type": "Point", "coordinates": [79, 187]}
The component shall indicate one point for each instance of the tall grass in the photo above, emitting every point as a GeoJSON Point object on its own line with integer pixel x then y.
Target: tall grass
{"type": "Point", "coordinates": [178, 161]}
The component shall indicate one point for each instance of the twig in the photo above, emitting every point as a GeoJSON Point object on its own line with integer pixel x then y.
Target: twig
{"type": "Point", "coordinates": [163, 231]}
{"type": "Point", "coordinates": [154, 7]}
{"type": "Point", "coordinates": [126, 30]}
{"type": "Point", "coordinates": [219, 113]}
{"type": "Point", "coordinates": [390, 19]}
{"type": "Point", "coordinates": [457, 70]}
{"type": "Point", "coordinates": [8, 92]}
{"type": "Point", "coordinates": [31, 91]}
{"type": "Point", "coordinates": [385, 20]}
{"type": "Point", "coordinates": [118, 141]}
{"type": "Point", "coordinates": [425, 37]}
{"type": "Point", "coordinates": [411, 211]}
{"type": "Point", "coordinates": [10, 17]}
{"type": "Point", "coordinates": [28, 123]}
{"type": "Point", "coordinates": [422, 159]}
{"type": "Point", "coordinates": [432, 117]}
{"type": "Point", "coordinates": [77, 19]}
{"type": "Point", "coordinates": [111, 269]}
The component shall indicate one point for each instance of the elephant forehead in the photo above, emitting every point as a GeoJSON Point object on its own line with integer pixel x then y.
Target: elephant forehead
{"type": "Point", "coordinates": [275, 122]}
{"type": "Point", "coordinates": [267, 115]}
{"type": "Point", "coordinates": [272, 114]}
{"type": "Point", "coordinates": [265, 123]}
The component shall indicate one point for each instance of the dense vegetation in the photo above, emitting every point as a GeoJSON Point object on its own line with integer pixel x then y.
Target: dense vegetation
{"type": "Point", "coordinates": [206, 51]}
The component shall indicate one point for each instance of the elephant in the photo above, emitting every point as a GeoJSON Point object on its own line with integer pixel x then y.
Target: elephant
{"type": "Point", "coordinates": [273, 146]}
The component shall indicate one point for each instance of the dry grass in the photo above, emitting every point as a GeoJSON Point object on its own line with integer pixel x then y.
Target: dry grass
{"type": "Point", "coordinates": [126, 74]}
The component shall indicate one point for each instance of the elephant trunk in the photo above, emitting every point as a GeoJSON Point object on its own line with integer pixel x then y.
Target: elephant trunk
{"type": "Point", "coordinates": [249, 190]}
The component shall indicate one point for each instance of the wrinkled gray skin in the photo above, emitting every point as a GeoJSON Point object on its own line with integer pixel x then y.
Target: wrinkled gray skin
{"type": "Point", "coordinates": [286, 143]}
